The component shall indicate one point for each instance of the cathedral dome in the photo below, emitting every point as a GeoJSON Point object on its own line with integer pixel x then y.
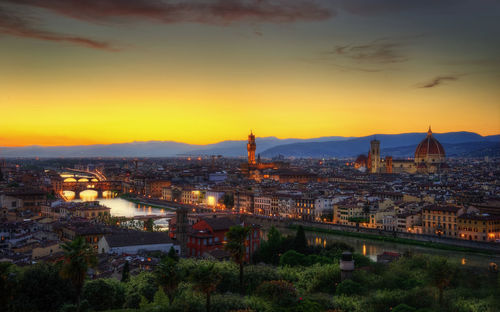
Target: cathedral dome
{"type": "Point", "coordinates": [429, 150]}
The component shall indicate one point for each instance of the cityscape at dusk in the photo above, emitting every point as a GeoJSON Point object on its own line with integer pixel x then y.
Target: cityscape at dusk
{"type": "Point", "coordinates": [250, 155]}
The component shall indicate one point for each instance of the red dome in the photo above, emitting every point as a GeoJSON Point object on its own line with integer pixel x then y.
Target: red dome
{"type": "Point", "coordinates": [429, 146]}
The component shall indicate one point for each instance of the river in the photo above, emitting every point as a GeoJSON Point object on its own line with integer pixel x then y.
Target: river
{"type": "Point", "coordinates": [372, 248]}
{"type": "Point", "coordinates": [124, 208]}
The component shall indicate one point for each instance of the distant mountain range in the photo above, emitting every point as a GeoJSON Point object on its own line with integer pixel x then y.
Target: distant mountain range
{"type": "Point", "coordinates": [398, 145]}
{"type": "Point", "coordinates": [465, 144]}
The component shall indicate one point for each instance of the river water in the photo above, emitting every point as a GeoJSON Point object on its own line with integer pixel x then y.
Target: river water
{"type": "Point", "coordinates": [372, 248]}
{"type": "Point", "coordinates": [124, 208]}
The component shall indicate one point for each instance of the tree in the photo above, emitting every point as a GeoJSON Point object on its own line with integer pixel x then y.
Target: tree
{"type": "Point", "coordinates": [78, 258]}
{"type": "Point", "coordinates": [104, 294]}
{"type": "Point", "coordinates": [125, 272]}
{"type": "Point", "coordinates": [7, 283]}
{"type": "Point", "coordinates": [269, 251]}
{"type": "Point", "coordinates": [168, 275]}
{"type": "Point", "coordinates": [281, 293]}
{"type": "Point", "coordinates": [149, 225]}
{"type": "Point", "coordinates": [236, 238]}
{"type": "Point", "coordinates": [441, 273]}
{"type": "Point", "coordinates": [300, 241]}
{"type": "Point", "coordinates": [172, 254]}
{"type": "Point", "coordinates": [205, 279]}
{"type": "Point", "coordinates": [293, 258]}
{"type": "Point", "coordinates": [39, 287]}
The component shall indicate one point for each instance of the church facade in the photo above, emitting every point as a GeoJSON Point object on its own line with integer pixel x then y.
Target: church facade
{"type": "Point", "coordinates": [429, 158]}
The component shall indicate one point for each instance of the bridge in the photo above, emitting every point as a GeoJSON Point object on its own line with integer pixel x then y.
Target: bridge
{"type": "Point", "coordinates": [98, 174]}
{"type": "Point", "coordinates": [98, 186]}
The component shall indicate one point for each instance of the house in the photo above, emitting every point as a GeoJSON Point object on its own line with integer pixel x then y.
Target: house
{"type": "Point", "coordinates": [46, 248]}
{"type": "Point", "coordinates": [134, 242]}
{"type": "Point", "coordinates": [210, 234]}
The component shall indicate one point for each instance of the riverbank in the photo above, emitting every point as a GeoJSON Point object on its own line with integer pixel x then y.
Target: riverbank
{"type": "Point", "coordinates": [397, 240]}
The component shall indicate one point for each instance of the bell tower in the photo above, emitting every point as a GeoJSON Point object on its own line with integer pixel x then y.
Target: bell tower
{"type": "Point", "coordinates": [375, 156]}
{"type": "Point", "coordinates": [251, 147]}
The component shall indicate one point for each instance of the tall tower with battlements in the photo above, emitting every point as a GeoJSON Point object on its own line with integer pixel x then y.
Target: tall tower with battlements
{"type": "Point", "coordinates": [251, 147]}
{"type": "Point", "coordinates": [375, 156]}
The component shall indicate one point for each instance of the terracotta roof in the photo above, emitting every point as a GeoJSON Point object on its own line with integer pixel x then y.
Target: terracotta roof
{"type": "Point", "coordinates": [137, 238]}
{"type": "Point", "coordinates": [482, 217]}
{"type": "Point", "coordinates": [218, 224]}
{"type": "Point", "coordinates": [429, 146]}
{"type": "Point", "coordinates": [442, 208]}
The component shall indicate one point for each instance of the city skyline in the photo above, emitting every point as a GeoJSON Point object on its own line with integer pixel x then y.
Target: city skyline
{"type": "Point", "coordinates": [203, 72]}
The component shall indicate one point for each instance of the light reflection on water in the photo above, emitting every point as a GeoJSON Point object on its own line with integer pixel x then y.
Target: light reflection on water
{"type": "Point", "coordinates": [124, 208]}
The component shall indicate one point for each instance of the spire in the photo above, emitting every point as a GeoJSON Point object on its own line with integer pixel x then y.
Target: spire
{"type": "Point", "coordinates": [429, 132]}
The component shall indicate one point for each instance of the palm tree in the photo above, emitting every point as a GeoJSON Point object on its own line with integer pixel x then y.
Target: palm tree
{"type": "Point", "coordinates": [78, 258]}
{"type": "Point", "coordinates": [168, 275]}
{"type": "Point", "coordinates": [206, 278]}
{"type": "Point", "coordinates": [236, 238]}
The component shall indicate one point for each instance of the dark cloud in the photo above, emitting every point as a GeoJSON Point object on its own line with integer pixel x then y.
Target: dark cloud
{"type": "Point", "coordinates": [381, 51]}
{"type": "Point", "coordinates": [14, 25]}
{"type": "Point", "coordinates": [378, 7]}
{"type": "Point", "coordinates": [199, 11]}
{"type": "Point", "coordinates": [438, 81]}
{"type": "Point", "coordinates": [217, 12]}
{"type": "Point", "coordinates": [375, 56]}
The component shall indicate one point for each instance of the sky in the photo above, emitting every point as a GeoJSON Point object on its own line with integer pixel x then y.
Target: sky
{"type": "Point", "coordinates": [201, 71]}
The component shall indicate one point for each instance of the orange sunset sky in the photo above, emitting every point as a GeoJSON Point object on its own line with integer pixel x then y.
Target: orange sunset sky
{"type": "Point", "coordinates": [204, 72]}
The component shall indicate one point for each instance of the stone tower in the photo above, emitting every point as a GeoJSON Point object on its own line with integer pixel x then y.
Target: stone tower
{"type": "Point", "coordinates": [375, 156]}
{"type": "Point", "coordinates": [182, 229]}
{"type": "Point", "coordinates": [251, 147]}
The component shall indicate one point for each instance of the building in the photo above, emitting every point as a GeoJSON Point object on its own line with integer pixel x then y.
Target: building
{"type": "Point", "coordinates": [429, 155]}
{"type": "Point", "coordinates": [153, 188]}
{"type": "Point", "coordinates": [253, 167]}
{"type": "Point", "coordinates": [23, 200]}
{"type": "Point", "coordinates": [251, 147]}
{"type": "Point", "coordinates": [45, 249]}
{"type": "Point", "coordinates": [87, 210]}
{"type": "Point", "coordinates": [136, 242]}
{"type": "Point", "coordinates": [479, 227]}
{"type": "Point", "coordinates": [244, 202]}
{"type": "Point", "coordinates": [442, 220]}
{"type": "Point", "coordinates": [374, 156]}
{"type": "Point", "coordinates": [92, 233]}
{"type": "Point", "coordinates": [409, 222]}
{"type": "Point", "coordinates": [262, 204]}
{"type": "Point", "coordinates": [305, 208]}
{"type": "Point", "coordinates": [429, 158]}
{"type": "Point", "coordinates": [209, 234]}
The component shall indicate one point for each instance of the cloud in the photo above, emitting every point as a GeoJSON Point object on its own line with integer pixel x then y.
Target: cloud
{"type": "Point", "coordinates": [379, 7]}
{"type": "Point", "coordinates": [375, 56]}
{"type": "Point", "coordinates": [215, 12]}
{"type": "Point", "coordinates": [438, 81]}
{"type": "Point", "coordinates": [14, 25]}
{"type": "Point", "coordinates": [380, 51]}
{"type": "Point", "coordinates": [219, 12]}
